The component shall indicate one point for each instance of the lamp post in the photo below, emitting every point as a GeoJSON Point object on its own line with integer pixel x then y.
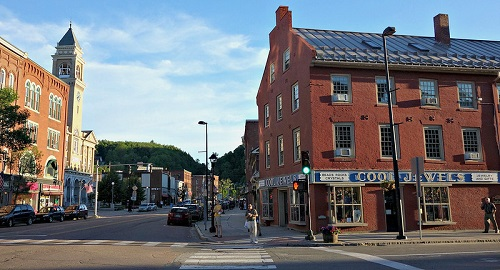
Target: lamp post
{"type": "Point", "coordinates": [389, 31]}
{"type": "Point", "coordinates": [112, 195]}
{"type": "Point", "coordinates": [213, 160]}
{"type": "Point", "coordinates": [206, 170]}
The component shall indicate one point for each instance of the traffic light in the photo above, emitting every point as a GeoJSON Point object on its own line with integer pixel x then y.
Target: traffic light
{"type": "Point", "coordinates": [306, 165]}
{"type": "Point", "coordinates": [299, 185]}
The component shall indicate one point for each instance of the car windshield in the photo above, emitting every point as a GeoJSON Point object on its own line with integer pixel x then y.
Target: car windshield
{"type": "Point", "coordinates": [6, 209]}
{"type": "Point", "coordinates": [178, 210]}
{"type": "Point", "coordinates": [144, 205]}
{"type": "Point", "coordinates": [192, 207]}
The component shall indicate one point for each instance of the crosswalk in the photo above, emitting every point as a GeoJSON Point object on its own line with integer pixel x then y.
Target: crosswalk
{"type": "Point", "coordinates": [229, 257]}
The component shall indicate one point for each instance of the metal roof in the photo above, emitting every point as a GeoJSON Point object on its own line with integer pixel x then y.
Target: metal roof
{"type": "Point", "coordinates": [69, 39]}
{"type": "Point", "coordinates": [341, 46]}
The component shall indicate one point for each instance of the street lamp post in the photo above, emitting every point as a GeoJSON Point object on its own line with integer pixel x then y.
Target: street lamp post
{"type": "Point", "coordinates": [112, 195]}
{"type": "Point", "coordinates": [389, 31]}
{"type": "Point", "coordinates": [213, 160]}
{"type": "Point", "coordinates": [206, 170]}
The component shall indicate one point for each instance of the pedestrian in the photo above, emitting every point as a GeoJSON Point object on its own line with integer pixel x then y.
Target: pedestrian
{"type": "Point", "coordinates": [251, 217]}
{"type": "Point", "coordinates": [217, 219]}
{"type": "Point", "coordinates": [129, 205]}
{"type": "Point", "coordinates": [489, 215]}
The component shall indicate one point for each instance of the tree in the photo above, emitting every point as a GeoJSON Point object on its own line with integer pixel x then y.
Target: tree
{"type": "Point", "coordinates": [13, 133]}
{"type": "Point", "coordinates": [107, 189]}
{"type": "Point", "coordinates": [28, 164]}
{"type": "Point", "coordinates": [127, 189]}
{"type": "Point", "coordinates": [226, 186]}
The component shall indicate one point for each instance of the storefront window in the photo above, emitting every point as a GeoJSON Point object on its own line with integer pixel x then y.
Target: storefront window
{"type": "Point", "coordinates": [346, 204]}
{"type": "Point", "coordinates": [267, 204]}
{"type": "Point", "coordinates": [436, 204]}
{"type": "Point", "coordinates": [297, 207]}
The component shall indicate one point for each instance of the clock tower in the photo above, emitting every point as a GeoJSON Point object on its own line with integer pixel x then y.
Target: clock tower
{"type": "Point", "coordinates": [68, 65]}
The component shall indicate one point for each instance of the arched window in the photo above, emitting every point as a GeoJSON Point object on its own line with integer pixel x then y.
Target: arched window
{"type": "Point", "coordinates": [11, 80]}
{"type": "Point", "coordinates": [78, 72]}
{"type": "Point", "coordinates": [64, 70]}
{"type": "Point", "coordinates": [58, 108]}
{"type": "Point", "coordinates": [2, 77]}
{"type": "Point", "coordinates": [51, 105]}
{"type": "Point", "coordinates": [27, 94]}
{"type": "Point", "coordinates": [38, 92]}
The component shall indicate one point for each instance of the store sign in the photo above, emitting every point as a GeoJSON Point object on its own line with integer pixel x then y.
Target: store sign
{"type": "Point", "coordinates": [279, 181]}
{"type": "Point", "coordinates": [427, 177]}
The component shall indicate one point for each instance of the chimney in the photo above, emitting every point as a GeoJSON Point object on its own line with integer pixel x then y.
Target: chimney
{"type": "Point", "coordinates": [283, 13]}
{"type": "Point", "coordinates": [442, 29]}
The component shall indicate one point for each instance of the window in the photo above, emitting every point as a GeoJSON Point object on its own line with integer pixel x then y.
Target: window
{"type": "Point", "coordinates": [11, 80]}
{"type": "Point", "coordinates": [279, 107]}
{"type": "Point", "coordinates": [341, 88]}
{"type": "Point", "coordinates": [32, 131]}
{"type": "Point", "coordinates": [281, 159]}
{"type": "Point", "coordinates": [295, 97]}
{"type": "Point", "coordinates": [64, 70]}
{"type": "Point", "coordinates": [268, 154]}
{"type": "Point", "coordinates": [2, 78]}
{"type": "Point", "coordinates": [382, 90]}
{"type": "Point", "coordinates": [53, 139]}
{"type": "Point", "coordinates": [32, 96]}
{"type": "Point", "coordinates": [433, 142]}
{"type": "Point", "coordinates": [272, 73]}
{"type": "Point", "coordinates": [472, 143]}
{"type": "Point", "coordinates": [385, 141]}
{"type": "Point", "coordinates": [75, 145]}
{"type": "Point", "coordinates": [266, 115]}
{"type": "Point", "coordinates": [436, 204]}
{"type": "Point", "coordinates": [346, 204]}
{"type": "Point", "coordinates": [286, 60]}
{"type": "Point", "coordinates": [297, 207]}
{"type": "Point", "coordinates": [78, 72]}
{"type": "Point", "coordinates": [344, 139]}
{"type": "Point", "coordinates": [466, 95]}
{"type": "Point", "coordinates": [296, 144]}
{"type": "Point", "coordinates": [55, 105]}
{"type": "Point", "coordinates": [429, 92]}
{"type": "Point", "coordinates": [267, 204]}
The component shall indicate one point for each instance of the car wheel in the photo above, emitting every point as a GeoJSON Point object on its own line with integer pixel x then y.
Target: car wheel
{"type": "Point", "coordinates": [10, 223]}
{"type": "Point", "coordinates": [61, 219]}
{"type": "Point", "coordinates": [51, 219]}
{"type": "Point", "coordinates": [30, 221]}
{"type": "Point", "coordinates": [85, 216]}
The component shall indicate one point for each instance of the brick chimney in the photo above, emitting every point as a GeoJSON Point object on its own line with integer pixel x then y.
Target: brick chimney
{"type": "Point", "coordinates": [442, 29]}
{"type": "Point", "coordinates": [283, 13]}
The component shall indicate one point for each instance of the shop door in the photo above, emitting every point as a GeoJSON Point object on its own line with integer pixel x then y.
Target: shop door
{"type": "Point", "coordinates": [283, 207]}
{"type": "Point", "coordinates": [390, 210]}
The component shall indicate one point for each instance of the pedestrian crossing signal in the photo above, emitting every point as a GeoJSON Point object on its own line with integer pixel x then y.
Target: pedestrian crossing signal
{"type": "Point", "coordinates": [299, 185]}
{"type": "Point", "coordinates": [296, 185]}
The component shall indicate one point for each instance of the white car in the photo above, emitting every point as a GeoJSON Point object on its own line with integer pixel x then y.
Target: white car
{"type": "Point", "coordinates": [152, 207]}
{"type": "Point", "coordinates": [144, 207]}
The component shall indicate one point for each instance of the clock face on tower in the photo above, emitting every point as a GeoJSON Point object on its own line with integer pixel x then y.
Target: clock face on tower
{"type": "Point", "coordinates": [78, 96]}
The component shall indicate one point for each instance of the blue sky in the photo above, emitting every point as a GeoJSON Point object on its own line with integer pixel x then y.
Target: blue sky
{"type": "Point", "coordinates": [155, 68]}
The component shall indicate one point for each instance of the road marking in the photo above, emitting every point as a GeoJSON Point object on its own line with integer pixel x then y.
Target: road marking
{"type": "Point", "coordinates": [95, 242]}
{"type": "Point", "coordinates": [67, 242]}
{"type": "Point", "coordinates": [443, 253]}
{"type": "Point", "coordinates": [370, 258]}
{"type": "Point", "coordinates": [123, 243]}
{"type": "Point", "coordinates": [221, 267]}
{"type": "Point", "coordinates": [43, 241]}
{"type": "Point", "coordinates": [225, 258]}
{"type": "Point", "coordinates": [179, 245]}
{"type": "Point", "coordinates": [16, 241]}
{"type": "Point", "coordinates": [152, 244]}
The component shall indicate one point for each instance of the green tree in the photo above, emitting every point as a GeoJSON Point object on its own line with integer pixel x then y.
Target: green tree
{"type": "Point", "coordinates": [107, 189]}
{"type": "Point", "coordinates": [127, 186]}
{"type": "Point", "coordinates": [13, 133]}
{"type": "Point", "coordinates": [28, 164]}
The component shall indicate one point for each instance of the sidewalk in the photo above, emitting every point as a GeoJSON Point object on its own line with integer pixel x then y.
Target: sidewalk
{"type": "Point", "coordinates": [233, 232]}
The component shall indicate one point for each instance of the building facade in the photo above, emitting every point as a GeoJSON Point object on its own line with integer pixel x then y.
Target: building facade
{"type": "Point", "coordinates": [46, 98]}
{"type": "Point", "coordinates": [325, 92]}
{"type": "Point", "coordinates": [69, 66]}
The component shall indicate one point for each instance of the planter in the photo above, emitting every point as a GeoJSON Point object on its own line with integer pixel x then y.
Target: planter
{"type": "Point", "coordinates": [330, 238]}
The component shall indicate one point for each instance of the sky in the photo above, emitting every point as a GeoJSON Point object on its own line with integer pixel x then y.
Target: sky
{"type": "Point", "coordinates": [153, 69]}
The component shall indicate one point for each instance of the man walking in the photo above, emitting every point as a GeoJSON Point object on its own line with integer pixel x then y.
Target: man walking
{"type": "Point", "coordinates": [251, 217]}
{"type": "Point", "coordinates": [489, 215]}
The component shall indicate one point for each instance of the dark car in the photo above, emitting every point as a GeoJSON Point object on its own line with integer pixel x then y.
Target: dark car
{"type": "Point", "coordinates": [16, 213]}
{"type": "Point", "coordinates": [76, 211]}
{"type": "Point", "coordinates": [51, 213]}
{"type": "Point", "coordinates": [196, 211]}
{"type": "Point", "coordinates": [179, 215]}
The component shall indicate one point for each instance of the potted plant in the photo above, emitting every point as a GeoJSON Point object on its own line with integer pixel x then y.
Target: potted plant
{"type": "Point", "coordinates": [330, 234]}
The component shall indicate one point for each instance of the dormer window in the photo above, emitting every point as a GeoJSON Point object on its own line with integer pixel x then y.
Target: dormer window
{"type": "Point", "coordinates": [64, 70]}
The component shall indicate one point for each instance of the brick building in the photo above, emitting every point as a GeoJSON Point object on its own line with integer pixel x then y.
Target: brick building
{"type": "Point", "coordinates": [46, 98]}
{"type": "Point", "coordinates": [324, 91]}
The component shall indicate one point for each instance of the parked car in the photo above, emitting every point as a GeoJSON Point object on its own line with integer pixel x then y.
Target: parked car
{"type": "Point", "coordinates": [196, 211]}
{"type": "Point", "coordinates": [16, 213]}
{"type": "Point", "coordinates": [76, 211]}
{"type": "Point", "coordinates": [179, 215]}
{"type": "Point", "coordinates": [51, 213]}
{"type": "Point", "coordinates": [152, 207]}
{"type": "Point", "coordinates": [144, 207]}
